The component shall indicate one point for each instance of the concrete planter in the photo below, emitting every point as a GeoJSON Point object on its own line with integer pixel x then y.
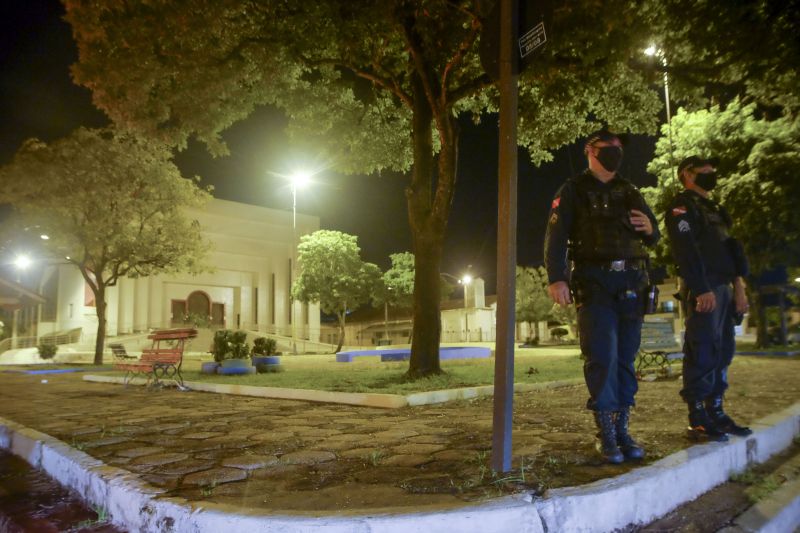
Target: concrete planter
{"type": "Point", "coordinates": [209, 368]}
{"type": "Point", "coordinates": [231, 367]}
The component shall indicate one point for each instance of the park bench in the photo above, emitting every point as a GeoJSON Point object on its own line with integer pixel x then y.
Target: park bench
{"type": "Point", "coordinates": [658, 349]}
{"type": "Point", "coordinates": [162, 361]}
{"type": "Point", "coordinates": [119, 353]}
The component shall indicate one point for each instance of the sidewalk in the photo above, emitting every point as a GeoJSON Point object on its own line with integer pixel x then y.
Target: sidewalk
{"type": "Point", "coordinates": [255, 457]}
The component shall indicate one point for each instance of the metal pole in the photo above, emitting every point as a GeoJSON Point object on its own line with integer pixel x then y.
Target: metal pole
{"type": "Point", "coordinates": [669, 117]}
{"type": "Point", "coordinates": [506, 242]}
{"type": "Point", "coordinates": [292, 314]}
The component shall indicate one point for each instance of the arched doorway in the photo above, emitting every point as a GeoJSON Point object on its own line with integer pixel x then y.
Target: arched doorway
{"type": "Point", "coordinates": [199, 304]}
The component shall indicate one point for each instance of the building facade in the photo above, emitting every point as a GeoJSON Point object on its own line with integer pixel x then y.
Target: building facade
{"type": "Point", "coordinates": [247, 286]}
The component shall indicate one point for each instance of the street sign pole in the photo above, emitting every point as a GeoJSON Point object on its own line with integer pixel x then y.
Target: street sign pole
{"type": "Point", "coordinates": [506, 241]}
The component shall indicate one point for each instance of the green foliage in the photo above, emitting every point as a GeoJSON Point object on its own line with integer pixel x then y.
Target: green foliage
{"type": "Point", "coordinates": [111, 204]}
{"type": "Point", "coordinates": [397, 287]}
{"type": "Point", "coordinates": [264, 346]}
{"type": "Point", "coordinates": [332, 272]}
{"type": "Point", "coordinates": [198, 320]}
{"type": "Point", "coordinates": [758, 166]}
{"type": "Point", "coordinates": [533, 303]}
{"type": "Point", "coordinates": [716, 63]}
{"type": "Point", "coordinates": [228, 344]}
{"type": "Point", "coordinates": [47, 351]}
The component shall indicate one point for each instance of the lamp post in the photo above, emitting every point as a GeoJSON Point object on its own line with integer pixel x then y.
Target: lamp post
{"type": "Point", "coordinates": [652, 50]}
{"type": "Point", "coordinates": [299, 179]}
{"type": "Point", "coordinates": [21, 262]}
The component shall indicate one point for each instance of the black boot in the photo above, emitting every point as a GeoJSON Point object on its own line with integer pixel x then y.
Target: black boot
{"type": "Point", "coordinates": [629, 448]}
{"type": "Point", "coordinates": [701, 427]}
{"type": "Point", "coordinates": [722, 420]}
{"type": "Point", "coordinates": [608, 437]}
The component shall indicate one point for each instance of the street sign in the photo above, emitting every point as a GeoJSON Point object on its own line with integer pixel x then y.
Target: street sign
{"type": "Point", "coordinates": [532, 40]}
{"type": "Point", "coordinates": [533, 17]}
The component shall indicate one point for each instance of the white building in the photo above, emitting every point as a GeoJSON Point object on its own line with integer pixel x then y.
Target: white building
{"type": "Point", "coordinates": [251, 255]}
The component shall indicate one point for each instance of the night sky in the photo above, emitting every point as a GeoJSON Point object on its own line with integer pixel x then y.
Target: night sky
{"type": "Point", "coordinates": [38, 99]}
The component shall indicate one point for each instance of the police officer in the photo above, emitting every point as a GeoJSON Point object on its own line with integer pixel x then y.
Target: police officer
{"type": "Point", "coordinates": [712, 266]}
{"type": "Point", "coordinates": [600, 224]}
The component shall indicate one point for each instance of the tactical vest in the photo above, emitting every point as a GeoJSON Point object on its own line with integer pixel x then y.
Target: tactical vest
{"type": "Point", "coordinates": [712, 237]}
{"type": "Point", "coordinates": [602, 229]}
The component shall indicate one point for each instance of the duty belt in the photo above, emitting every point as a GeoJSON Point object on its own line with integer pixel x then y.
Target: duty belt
{"type": "Point", "coordinates": [615, 265]}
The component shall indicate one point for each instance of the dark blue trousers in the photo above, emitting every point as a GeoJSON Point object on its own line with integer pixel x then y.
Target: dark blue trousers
{"type": "Point", "coordinates": [610, 326]}
{"type": "Point", "coordinates": [708, 346]}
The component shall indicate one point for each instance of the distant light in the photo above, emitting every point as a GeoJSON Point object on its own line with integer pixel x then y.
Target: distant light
{"type": "Point", "coordinates": [22, 262]}
{"type": "Point", "coordinates": [651, 50]}
{"type": "Point", "coordinates": [467, 279]}
{"type": "Point", "coordinates": [300, 178]}
{"type": "Point", "coordinates": [797, 280]}
{"type": "Point", "coordinates": [44, 237]}
{"type": "Point", "coordinates": [67, 258]}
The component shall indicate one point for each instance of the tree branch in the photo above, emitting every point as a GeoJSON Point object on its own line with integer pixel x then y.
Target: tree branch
{"type": "Point", "coordinates": [388, 84]}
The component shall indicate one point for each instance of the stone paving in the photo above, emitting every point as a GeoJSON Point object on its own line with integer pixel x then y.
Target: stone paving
{"type": "Point", "coordinates": [305, 458]}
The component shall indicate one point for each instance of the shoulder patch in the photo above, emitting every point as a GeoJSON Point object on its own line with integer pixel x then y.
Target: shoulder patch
{"type": "Point", "coordinates": [683, 226]}
{"type": "Point", "coordinates": [556, 201]}
{"type": "Point", "coordinates": [680, 210]}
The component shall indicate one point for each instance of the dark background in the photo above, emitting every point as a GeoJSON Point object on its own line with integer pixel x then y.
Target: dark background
{"type": "Point", "coordinates": [38, 99]}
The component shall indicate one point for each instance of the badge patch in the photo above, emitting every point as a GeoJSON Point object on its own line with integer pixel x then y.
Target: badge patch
{"type": "Point", "coordinates": [554, 218]}
{"type": "Point", "coordinates": [683, 226]}
{"type": "Point", "coordinates": [556, 201]}
{"type": "Point", "coordinates": [678, 210]}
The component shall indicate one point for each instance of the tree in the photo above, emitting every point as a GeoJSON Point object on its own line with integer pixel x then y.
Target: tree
{"type": "Point", "coordinates": [111, 205]}
{"type": "Point", "coordinates": [533, 303]}
{"type": "Point", "coordinates": [376, 84]}
{"type": "Point", "coordinates": [708, 59]}
{"type": "Point", "coordinates": [758, 166]}
{"type": "Point", "coordinates": [333, 274]}
{"type": "Point", "coordinates": [396, 287]}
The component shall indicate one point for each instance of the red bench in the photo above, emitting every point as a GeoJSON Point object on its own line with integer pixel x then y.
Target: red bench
{"type": "Point", "coordinates": [160, 362]}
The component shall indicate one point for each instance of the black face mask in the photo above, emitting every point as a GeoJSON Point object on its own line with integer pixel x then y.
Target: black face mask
{"type": "Point", "coordinates": [610, 157]}
{"type": "Point", "coordinates": [706, 181]}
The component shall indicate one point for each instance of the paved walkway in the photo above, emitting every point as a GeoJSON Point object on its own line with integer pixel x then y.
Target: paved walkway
{"type": "Point", "coordinates": [320, 459]}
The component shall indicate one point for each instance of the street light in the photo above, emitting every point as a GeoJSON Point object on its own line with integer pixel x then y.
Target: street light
{"type": "Point", "coordinates": [651, 51]}
{"type": "Point", "coordinates": [299, 179]}
{"type": "Point", "coordinates": [464, 280]}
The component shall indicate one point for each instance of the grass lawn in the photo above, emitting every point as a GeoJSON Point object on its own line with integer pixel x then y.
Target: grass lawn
{"type": "Point", "coordinates": [322, 372]}
{"type": "Point", "coordinates": [751, 347]}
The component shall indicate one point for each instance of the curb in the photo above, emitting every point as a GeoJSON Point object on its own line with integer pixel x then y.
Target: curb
{"type": "Point", "coordinates": [778, 513]}
{"type": "Point", "coordinates": [132, 503]}
{"type": "Point", "coordinates": [384, 401]}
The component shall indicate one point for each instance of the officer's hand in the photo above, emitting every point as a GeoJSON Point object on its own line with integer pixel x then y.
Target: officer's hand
{"type": "Point", "coordinates": [641, 222]}
{"type": "Point", "coordinates": [740, 297]}
{"type": "Point", "coordinates": [706, 302]}
{"type": "Point", "coordinates": [559, 292]}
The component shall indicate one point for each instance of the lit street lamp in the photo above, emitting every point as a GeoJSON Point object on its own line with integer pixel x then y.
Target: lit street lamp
{"type": "Point", "coordinates": [652, 50]}
{"type": "Point", "coordinates": [299, 180]}
{"type": "Point", "coordinates": [464, 280]}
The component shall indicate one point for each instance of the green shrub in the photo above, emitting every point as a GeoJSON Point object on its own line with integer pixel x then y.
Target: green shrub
{"type": "Point", "coordinates": [264, 346]}
{"type": "Point", "coordinates": [47, 351]}
{"type": "Point", "coordinates": [229, 344]}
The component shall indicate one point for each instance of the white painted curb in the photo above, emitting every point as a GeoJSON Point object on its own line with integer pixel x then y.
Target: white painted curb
{"type": "Point", "coordinates": [778, 513]}
{"type": "Point", "coordinates": [384, 401]}
{"type": "Point", "coordinates": [634, 498]}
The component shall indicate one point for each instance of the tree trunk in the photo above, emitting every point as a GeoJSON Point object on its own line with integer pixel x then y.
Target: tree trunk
{"type": "Point", "coordinates": [100, 303]}
{"type": "Point", "coordinates": [760, 312]}
{"type": "Point", "coordinates": [341, 317]}
{"type": "Point", "coordinates": [429, 202]}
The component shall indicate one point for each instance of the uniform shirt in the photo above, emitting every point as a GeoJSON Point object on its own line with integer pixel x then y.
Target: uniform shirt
{"type": "Point", "coordinates": [560, 226]}
{"type": "Point", "coordinates": [705, 254]}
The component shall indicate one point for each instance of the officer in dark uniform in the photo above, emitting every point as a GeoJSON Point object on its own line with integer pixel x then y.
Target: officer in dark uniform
{"type": "Point", "coordinates": [712, 266]}
{"type": "Point", "coordinates": [600, 223]}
